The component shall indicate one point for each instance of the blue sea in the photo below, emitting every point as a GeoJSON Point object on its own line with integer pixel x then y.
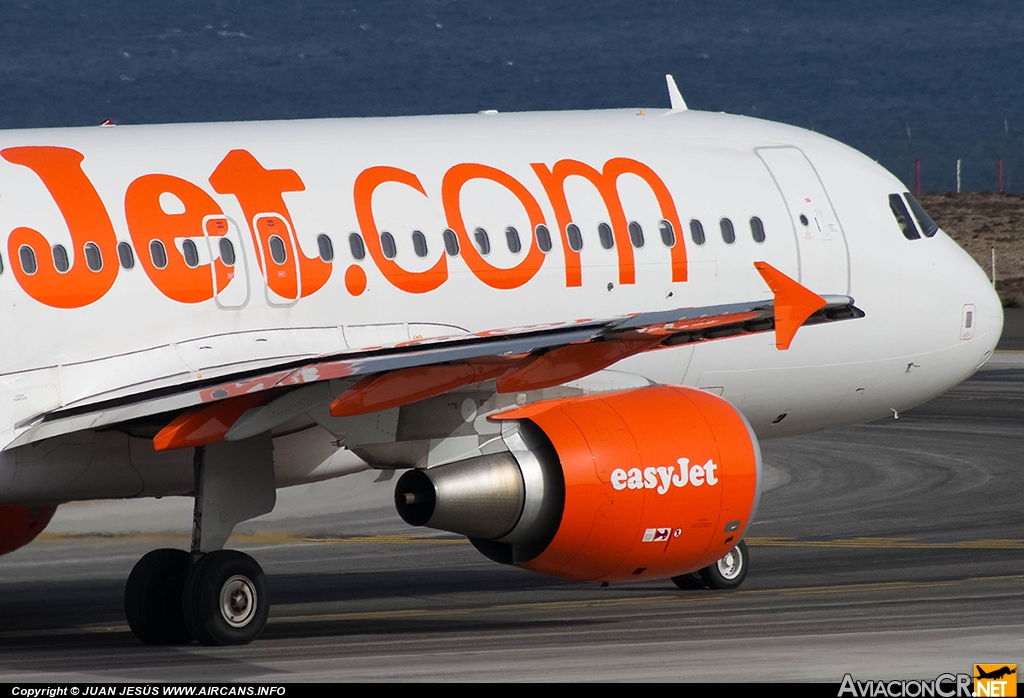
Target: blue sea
{"type": "Point", "coordinates": [932, 81]}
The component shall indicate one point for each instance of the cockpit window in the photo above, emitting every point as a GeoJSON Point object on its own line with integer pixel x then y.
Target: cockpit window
{"type": "Point", "coordinates": [906, 223]}
{"type": "Point", "coordinates": [928, 226]}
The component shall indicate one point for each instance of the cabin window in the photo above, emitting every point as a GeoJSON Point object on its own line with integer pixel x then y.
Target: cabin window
{"type": "Point", "coordinates": [604, 233]}
{"type": "Point", "coordinates": [572, 231]}
{"type": "Point", "coordinates": [515, 246]}
{"type": "Point", "coordinates": [158, 254]}
{"type": "Point", "coordinates": [903, 219]}
{"type": "Point", "coordinates": [27, 256]}
{"type": "Point", "coordinates": [356, 246]}
{"type": "Point", "coordinates": [191, 253]}
{"type": "Point", "coordinates": [278, 253]}
{"type": "Point", "coordinates": [757, 229]}
{"type": "Point", "coordinates": [728, 232]}
{"type": "Point", "coordinates": [227, 252]}
{"type": "Point", "coordinates": [387, 244]}
{"type": "Point", "coordinates": [697, 232]}
{"type": "Point", "coordinates": [928, 226]}
{"type": "Point", "coordinates": [125, 255]}
{"type": "Point", "coordinates": [636, 234]}
{"type": "Point", "coordinates": [1, 264]}
{"type": "Point", "coordinates": [668, 233]}
{"type": "Point", "coordinates": [325, 247]}
{"type": "Point", "coordinates": [93, 256]}
{"type": "Point", "coordinates": [483, 241]}
{"type": "Point", "coordinates": [451, 242]}
{"type": "Point", "coordinates": [60, 258]}
{"type": "Point", "coordinates": [419, 243]}
{"type": "Point", "coordinates": [543, 238]}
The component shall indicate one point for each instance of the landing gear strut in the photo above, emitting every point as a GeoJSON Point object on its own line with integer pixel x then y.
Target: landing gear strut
{"type": "Point", "coordinates": [727, 573]}
{"type": "Point", "coordinates": [214, 596]}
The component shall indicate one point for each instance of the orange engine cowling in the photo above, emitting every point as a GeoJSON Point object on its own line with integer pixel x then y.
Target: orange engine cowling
{"type": "Point", "coordinates": [19, 525]}
{"type": "Point", "coordinates": [646, 483]}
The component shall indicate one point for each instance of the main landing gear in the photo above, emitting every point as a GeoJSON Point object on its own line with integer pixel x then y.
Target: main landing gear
{"type": "Point", "coordinates": [220, 600]}
{"type": "Point", "coordinates": [214, 596]}
{"type": "Point", "coordinates": [728, 573]}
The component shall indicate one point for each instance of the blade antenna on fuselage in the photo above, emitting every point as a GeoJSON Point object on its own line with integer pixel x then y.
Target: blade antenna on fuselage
{"type": "Point", "coordinates": [675, 97]}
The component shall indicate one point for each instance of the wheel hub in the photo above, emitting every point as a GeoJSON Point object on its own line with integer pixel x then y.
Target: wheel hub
{"type": "Point", "coordinates": [731, 565]}
{"type": "Point", "coordinates": [238, 601]}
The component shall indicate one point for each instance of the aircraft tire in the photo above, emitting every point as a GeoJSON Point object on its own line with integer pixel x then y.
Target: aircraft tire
{"type": "Point", "coordinates": [152, 598]}
{"type": "Point", "coordinates": [225, 601]}
{"type": "Point", "coordinates": [730, 571]}
{"type": "Point", "coordinates": [689, 581]}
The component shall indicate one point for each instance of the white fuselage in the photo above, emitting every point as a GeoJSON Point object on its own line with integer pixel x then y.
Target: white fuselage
{"type": "Point", "coordinates": [824, 210]}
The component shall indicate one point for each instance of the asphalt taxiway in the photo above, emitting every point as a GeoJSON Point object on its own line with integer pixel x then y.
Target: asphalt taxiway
{"type": "Point", "coordinates": [887, 550]}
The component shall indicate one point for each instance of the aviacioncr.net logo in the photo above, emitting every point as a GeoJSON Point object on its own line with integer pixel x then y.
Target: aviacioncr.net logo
{"type": "Point", "coordinates": [943, 686]}
{"type": "Point", "coordinates": [995, 680]}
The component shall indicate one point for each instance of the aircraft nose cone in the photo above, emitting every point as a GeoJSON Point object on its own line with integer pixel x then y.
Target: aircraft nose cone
{"type": "Point", "coordinates": [967, 292]}
{"type": "Point", "coordinates": [989, 319]}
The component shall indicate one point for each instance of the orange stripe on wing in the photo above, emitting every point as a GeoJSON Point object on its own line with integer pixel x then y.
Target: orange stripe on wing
{"type": "Point", "coordinates": [384, 391]}
{"type": "Point", "coordinates": [206, 425]}
{"type": "Point", "coordinates": [572, 362]}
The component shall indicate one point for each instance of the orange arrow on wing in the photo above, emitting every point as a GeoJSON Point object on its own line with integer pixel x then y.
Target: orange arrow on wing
{"type": "Point", "coordinates": [793, 303]}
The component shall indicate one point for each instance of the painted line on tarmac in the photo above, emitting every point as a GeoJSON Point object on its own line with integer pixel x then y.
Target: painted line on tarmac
{"type": "Point", "coordinates": [672, 597]}
{"type": "Point", "coordinates": [299, 538]}
{"type": "Point", "coordinates": [888, 543]}
{"type": "Point", "coordinates": [267, 537]}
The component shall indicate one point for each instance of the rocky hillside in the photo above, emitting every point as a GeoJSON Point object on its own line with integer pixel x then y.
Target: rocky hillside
{"type": "Point", "coordinates": [981, 223]}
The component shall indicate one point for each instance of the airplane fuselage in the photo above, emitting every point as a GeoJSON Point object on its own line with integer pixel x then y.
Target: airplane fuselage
{"type": "Point", "coordinates": [144, 258]}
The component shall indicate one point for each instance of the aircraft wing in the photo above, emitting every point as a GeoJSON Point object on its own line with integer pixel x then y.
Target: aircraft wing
{"type": "Point", "coordinates": [518, 359]}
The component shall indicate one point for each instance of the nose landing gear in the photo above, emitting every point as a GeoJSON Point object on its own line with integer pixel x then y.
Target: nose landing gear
{"type": "Point", "coordinates": [727, 573]}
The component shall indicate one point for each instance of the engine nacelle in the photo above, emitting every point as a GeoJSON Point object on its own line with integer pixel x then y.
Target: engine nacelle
{"type": "Point", "coordinates": [646, 483]}
{"type": "Point", "coordinates": [19, 525]}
